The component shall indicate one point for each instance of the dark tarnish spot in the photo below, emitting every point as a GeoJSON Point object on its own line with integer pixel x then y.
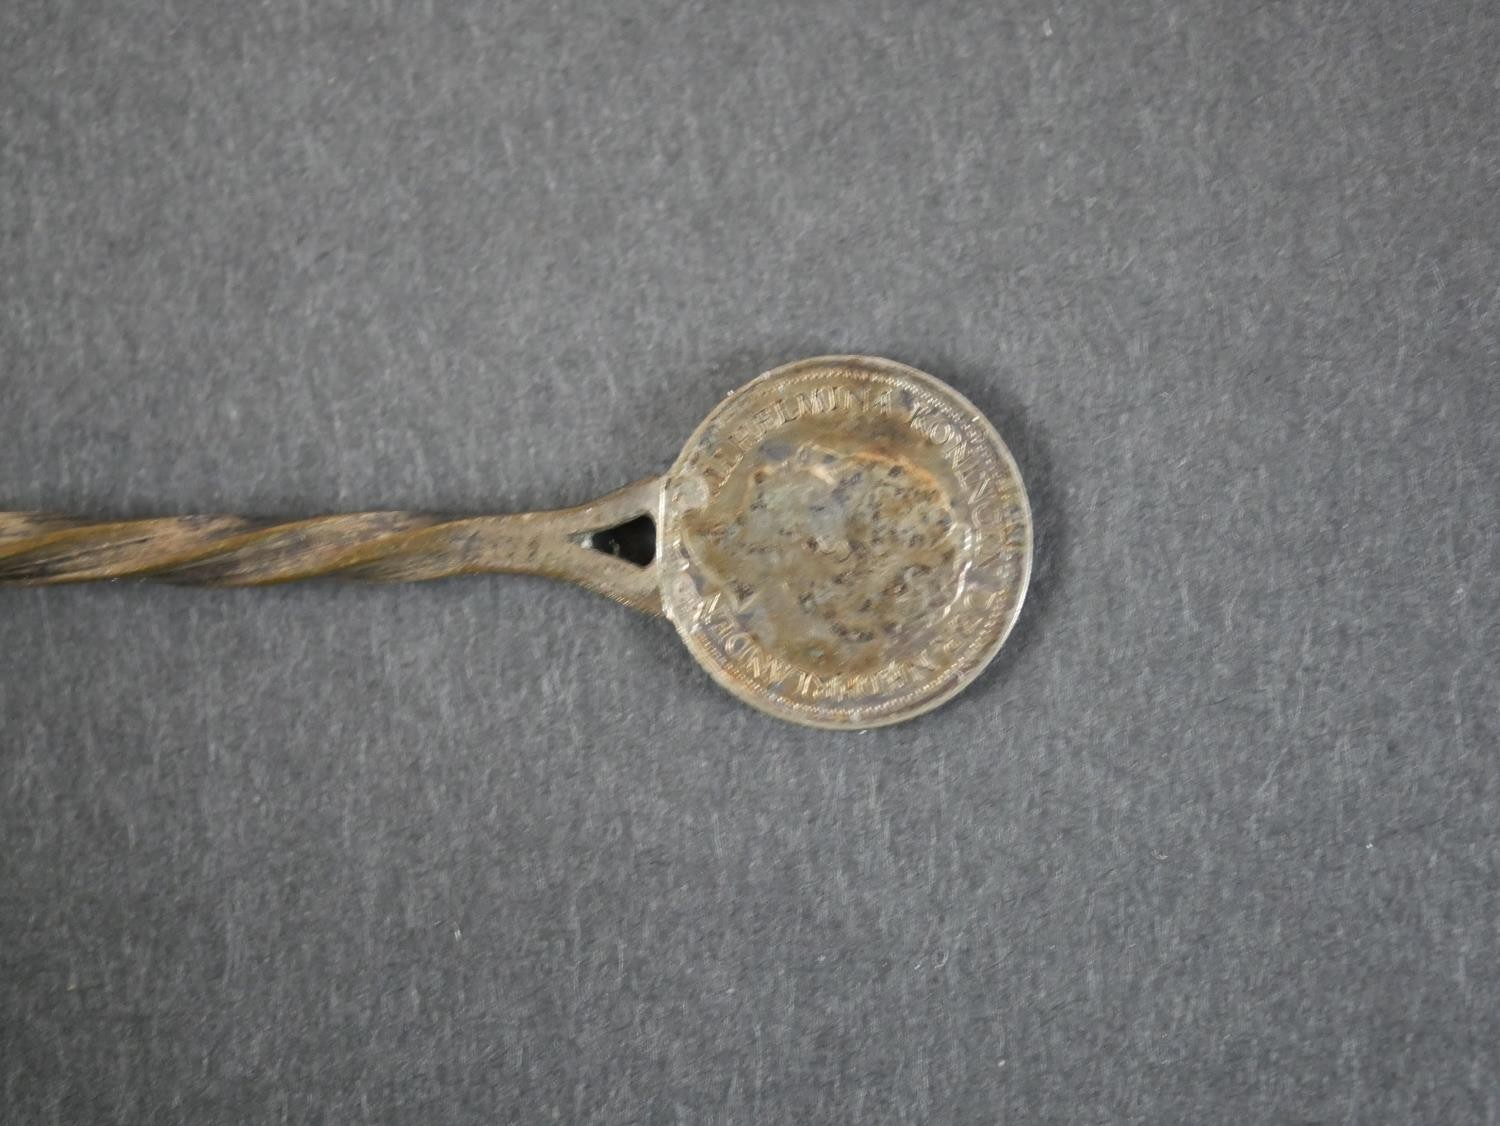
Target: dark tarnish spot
{"type": "Point", "coordinates": [218, 571]}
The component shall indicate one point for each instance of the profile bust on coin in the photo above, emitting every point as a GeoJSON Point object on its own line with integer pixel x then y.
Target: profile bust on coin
{"type": "Point", "coordinates": [844, 542]}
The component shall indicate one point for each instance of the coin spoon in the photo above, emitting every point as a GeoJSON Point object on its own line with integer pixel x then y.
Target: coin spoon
{"type": "Point", "coordinates": [843, 542]}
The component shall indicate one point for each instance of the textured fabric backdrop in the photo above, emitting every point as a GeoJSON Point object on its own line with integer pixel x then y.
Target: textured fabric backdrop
{"type": "Point", "coordinates": [1215, 839]}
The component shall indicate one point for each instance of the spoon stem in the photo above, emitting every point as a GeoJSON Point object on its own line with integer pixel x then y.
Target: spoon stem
{"type": "Point", "coordinates": [38, 549]}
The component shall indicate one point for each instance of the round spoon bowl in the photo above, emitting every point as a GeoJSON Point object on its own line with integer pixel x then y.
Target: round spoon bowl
{"type": "Point", "coordinates": [845, 542]}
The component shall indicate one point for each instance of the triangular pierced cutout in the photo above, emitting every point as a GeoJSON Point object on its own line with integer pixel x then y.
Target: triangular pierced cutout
{"type": "Point", "coordinates": [633, 541]}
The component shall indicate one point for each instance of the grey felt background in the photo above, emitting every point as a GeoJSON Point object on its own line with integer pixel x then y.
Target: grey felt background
{"type": "Point", "coordinates": [1215, 840]}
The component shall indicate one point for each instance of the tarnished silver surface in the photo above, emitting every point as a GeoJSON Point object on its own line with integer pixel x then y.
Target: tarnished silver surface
{"type": "Point", "coordinates": [844, 542]}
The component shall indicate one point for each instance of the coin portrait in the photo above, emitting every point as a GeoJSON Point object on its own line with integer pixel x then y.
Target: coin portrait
{"type": "Point", "coordinates": [844, 542]}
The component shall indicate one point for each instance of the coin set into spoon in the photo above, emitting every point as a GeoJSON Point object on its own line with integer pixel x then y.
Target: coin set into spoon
{"type": "Point", "coordinates": [844, 542]}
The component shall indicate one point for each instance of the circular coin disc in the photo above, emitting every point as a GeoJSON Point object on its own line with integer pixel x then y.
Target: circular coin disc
{"type": "Point", "coordinates": [845, 542]}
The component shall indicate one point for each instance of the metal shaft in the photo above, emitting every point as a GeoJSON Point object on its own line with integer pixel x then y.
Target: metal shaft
{"type": "Point", "coordinates": [40, 549]}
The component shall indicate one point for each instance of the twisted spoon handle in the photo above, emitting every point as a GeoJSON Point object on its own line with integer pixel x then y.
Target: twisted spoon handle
{"type": "Point", "coordinates": [40, 549]}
